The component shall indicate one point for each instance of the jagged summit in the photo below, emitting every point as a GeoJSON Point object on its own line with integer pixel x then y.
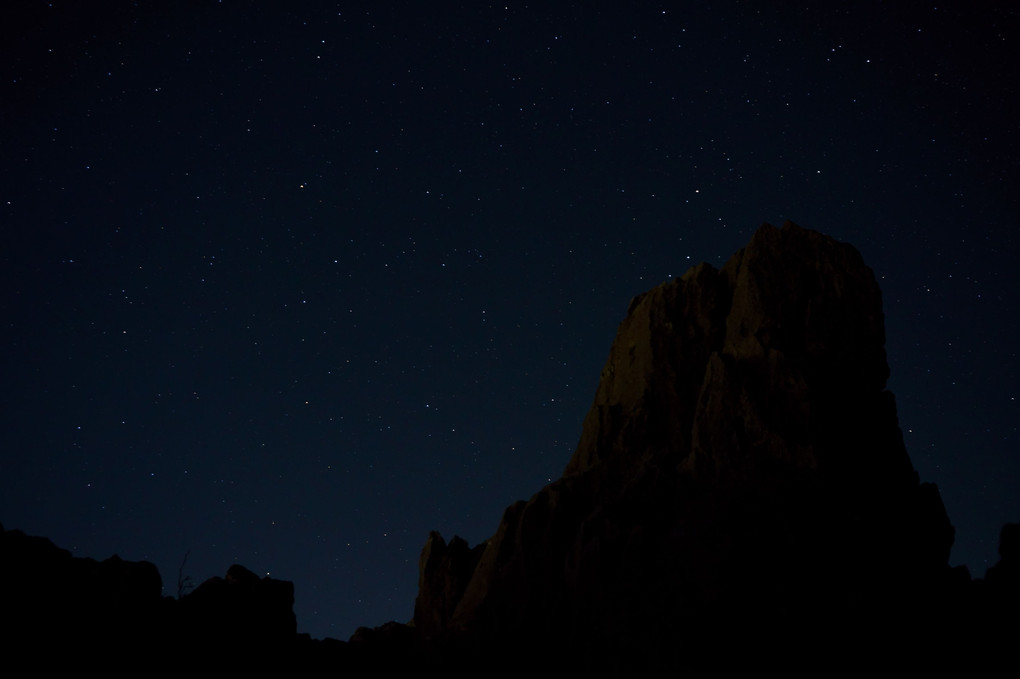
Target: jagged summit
{"type": "Point", "coordinates": [781, 341]}
{"type": "Point", "coordinates": [741, 455]}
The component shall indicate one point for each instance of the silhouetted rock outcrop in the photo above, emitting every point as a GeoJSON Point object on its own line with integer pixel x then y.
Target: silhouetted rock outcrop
{"type": "Point", "coordinates": [1001, 593]}
{"type": "Point", "coordinates": [240, 607]}
{"type": "Point", "coordinates": [449, 568]}
{"type": "Point", "coordinates": [1007, 570]}
{"type": "Point", "coordinates": [48, 597]}
{"type": "Point", "coordinates": [741, 469]}
{"type": "Point", "coordinates": [78, 611]}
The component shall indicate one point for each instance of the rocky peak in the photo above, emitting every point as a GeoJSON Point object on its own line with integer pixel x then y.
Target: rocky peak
{"type": "Point", "coordinates": [774, 352]}
{"type": "Point", "coordinates": [741, 454]}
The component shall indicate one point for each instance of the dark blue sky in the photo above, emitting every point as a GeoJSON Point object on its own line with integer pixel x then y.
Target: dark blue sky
{"type": "Point", "coordinates": [291, 286]}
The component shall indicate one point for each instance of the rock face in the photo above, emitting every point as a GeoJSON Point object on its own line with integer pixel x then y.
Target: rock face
{"type": "Point", "coordinates": [740, 469]}
{"type": "Point", "coordinates": [444, 572]}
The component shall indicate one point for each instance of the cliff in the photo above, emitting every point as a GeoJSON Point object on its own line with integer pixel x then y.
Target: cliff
{"type": "Point", "coordinates": [741, 469]}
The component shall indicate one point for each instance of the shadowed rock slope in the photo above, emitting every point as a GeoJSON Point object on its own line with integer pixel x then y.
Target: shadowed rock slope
{"type": "Point", "coordinates": [740, 479]}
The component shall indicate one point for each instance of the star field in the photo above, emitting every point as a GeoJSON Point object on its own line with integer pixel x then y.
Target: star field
{"type": "Point", "coordinates": [292, 285]}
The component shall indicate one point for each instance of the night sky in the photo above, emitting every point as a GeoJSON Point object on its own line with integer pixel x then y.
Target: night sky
{"type": "Point", "coordinates": [290, 284]}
